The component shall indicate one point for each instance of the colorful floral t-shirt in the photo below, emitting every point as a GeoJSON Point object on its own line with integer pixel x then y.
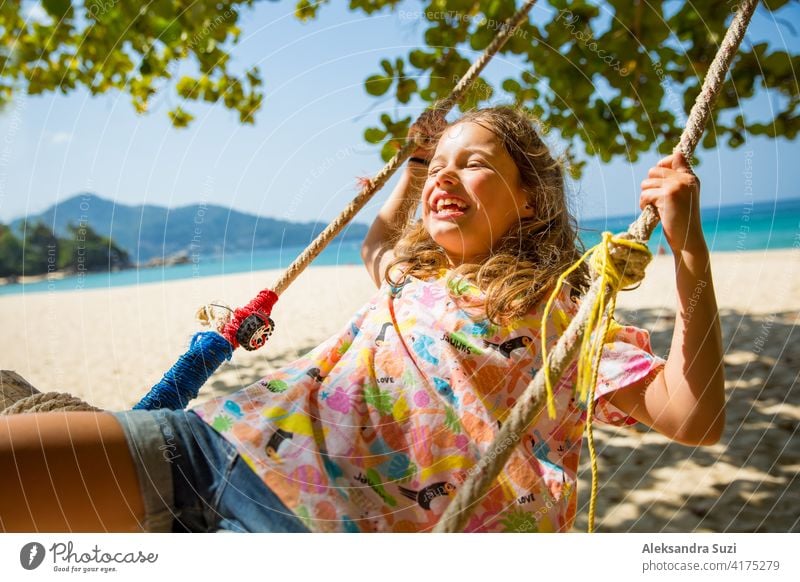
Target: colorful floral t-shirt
{"type": "Point", "coordinates": [376, 429]}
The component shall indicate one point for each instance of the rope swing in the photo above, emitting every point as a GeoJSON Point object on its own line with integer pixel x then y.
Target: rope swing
{"type": "Point", "coordinates": [617, 262]}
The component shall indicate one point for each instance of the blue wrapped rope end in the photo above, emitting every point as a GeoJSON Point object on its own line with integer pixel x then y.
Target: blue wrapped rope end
{"type": "Point", "coordinates": [183, 381]}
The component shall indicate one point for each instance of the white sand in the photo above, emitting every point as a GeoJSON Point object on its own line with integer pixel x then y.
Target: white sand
{"type": "Point", "coordinates": [108, 346]}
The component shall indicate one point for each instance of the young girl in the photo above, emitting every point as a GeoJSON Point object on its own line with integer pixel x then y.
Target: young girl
{"type": "Point", "coordinates": [376, 429]}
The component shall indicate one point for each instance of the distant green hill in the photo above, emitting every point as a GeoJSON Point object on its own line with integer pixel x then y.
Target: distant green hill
{"type": "Point", "coordinates": [149, 231]}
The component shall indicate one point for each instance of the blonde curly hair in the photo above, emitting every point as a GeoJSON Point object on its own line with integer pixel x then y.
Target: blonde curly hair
{"type": "Point", "coordinates": [527, 261]}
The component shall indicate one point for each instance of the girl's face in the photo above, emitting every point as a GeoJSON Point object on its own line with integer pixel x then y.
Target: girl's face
{"type": "Point", "coordinates": [473, 193]}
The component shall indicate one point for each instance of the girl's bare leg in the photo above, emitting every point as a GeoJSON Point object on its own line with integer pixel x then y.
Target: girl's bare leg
{"type": "Point", "coordinates": [67, 471]}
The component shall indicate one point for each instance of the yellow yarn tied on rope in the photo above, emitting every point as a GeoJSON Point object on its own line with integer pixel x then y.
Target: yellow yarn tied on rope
{"type": "Point", "coordinates": [591, 350]}
{"type": "Point", "coordinates": [606, 269]}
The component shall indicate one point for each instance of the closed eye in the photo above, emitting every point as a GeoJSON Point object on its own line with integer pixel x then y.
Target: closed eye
{"type": "Point", "coordinates": [433, 170]}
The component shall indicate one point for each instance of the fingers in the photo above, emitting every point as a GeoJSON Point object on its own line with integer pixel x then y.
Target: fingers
{"type": "Point", "coordinates": [675, 161]}
{"type": "Point", "coordinates": [644, 202]}
{"type": "Point", "coordinates": [650, 196]}
{"type": "Point", "coordinates": [680, 163]}
{"type": "Point", "coordinates": [669, 180]}
{"type": "Point", "coordinates": [669, 185]}
{"type": "Point", "coordinates": [652, 183]}
{"type": "Point", "coordinates": [660, 172]}
{"type": "Point", "coordinates": [427, 129]}
{"type": "Point", "coordinates": [666, 162]}
{"type": "Point", "coordinates": [424, 151]}
{"type": "Point", "coordinates": [681, 175]}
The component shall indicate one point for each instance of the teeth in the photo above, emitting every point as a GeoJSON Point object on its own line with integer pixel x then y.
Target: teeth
{"type": "Point", "coordinates": [442, 202]}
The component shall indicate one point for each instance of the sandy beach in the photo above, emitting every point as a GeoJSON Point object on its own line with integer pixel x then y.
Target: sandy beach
{"type": "Point", "coordinates": [108, 346]}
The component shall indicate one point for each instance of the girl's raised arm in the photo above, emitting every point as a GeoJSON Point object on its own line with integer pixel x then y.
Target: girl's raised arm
{"type": "Point", "coordinates": [376, 250]}
{"type": "Point", "coordinates": [686, 401]}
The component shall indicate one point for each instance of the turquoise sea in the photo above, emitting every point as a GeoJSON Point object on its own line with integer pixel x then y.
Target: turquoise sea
{"type": "Point", "coordinates": [742, 227]}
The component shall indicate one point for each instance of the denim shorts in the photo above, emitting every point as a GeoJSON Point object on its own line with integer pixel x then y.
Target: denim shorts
{"type": "Point", "coordinates": [193, 480]}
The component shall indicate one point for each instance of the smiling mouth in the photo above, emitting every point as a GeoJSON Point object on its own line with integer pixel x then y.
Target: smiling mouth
{"type": "Point", "coordinates": [449, 208]}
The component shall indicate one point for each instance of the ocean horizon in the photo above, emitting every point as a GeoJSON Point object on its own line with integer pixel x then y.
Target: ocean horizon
{"type": "Point", "coordinates": [743, 227]}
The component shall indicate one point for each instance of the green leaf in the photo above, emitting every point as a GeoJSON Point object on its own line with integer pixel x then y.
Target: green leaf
{"type": "Point", "coordinates": [145, 68]}
{"type": "Point", "coordinates": [481, 39]}
{"type": "Point", "coordinates": [254, 77]}
{"type": "Point", "coordinates": [377, 85]}
{"type": "Point", "coordinates": [511, 86]}
{"type": "Point", "coordinates": [374, 135]}
{"type": "Point", "coordinates": [180, 118]}
{"type": "Point", "coordinates": [421, 60]}
{"type": "Point", "coordinates": [405, 89]}
{"type": "Point", "coordinates": [57, 8]}
{"type": "Point", "coordinates": [306, 10]}
{"type": "Point", "coordinates": [388, 150]}
{"type": "Point", "coordinates": [187, 88]}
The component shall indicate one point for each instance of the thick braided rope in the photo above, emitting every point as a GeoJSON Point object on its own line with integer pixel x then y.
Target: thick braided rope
{"type": "Point", "coordinates": [534, 399]}
{"type": "Point", "coordinates": [376, 183]}
{"type": "Point", "coordinates": [703, 105]}
{"type": "Point", "coordinates": [47, 402]}
{"type": "Point", "coordinates": [507, 31]}
{"type": "Point", "coordinates": [17, 396]}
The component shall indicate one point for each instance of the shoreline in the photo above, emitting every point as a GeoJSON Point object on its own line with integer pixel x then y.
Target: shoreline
{"type": "Point", "coordinates": [59, 275]}
{"type": "Point", "coordinates": [21, 281]}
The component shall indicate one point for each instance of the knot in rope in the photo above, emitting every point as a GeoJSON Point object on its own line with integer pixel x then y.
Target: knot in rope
{"type": "Point", "coordinates": [214, 315]}
{"type": "Point", "coordinates": [619, 260]}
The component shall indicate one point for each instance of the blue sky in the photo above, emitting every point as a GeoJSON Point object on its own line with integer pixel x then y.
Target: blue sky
{"type": "Point", "coordinates": [300, 160]}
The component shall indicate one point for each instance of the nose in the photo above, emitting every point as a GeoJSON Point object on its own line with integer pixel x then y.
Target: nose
{"type": "Point", "coordinates": [446, 175]}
